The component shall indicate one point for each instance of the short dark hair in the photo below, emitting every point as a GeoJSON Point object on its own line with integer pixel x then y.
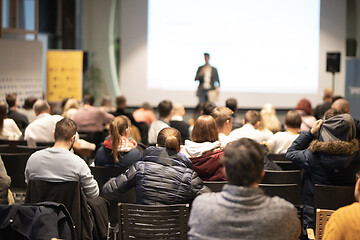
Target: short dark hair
{"type": "Point", "coordinates": [89, 99]}
{"type": "Point", "coordinates": [332, 112]}
{"type": "Point", "coordinates": [221, 115]}
{"type": "Point", "coordinates": [11, 99]}
{"type": "Point", "coordinates": [244, 162]}
{"type": "Point", "coordinates": [293, 119]}
{"type": "Point", "coordinates": [120, 100]}
{"type": "Point", "coordinates": [65, 129]}
{"type": "Point", "coordinates": [207, 54]}
{"type": "Point", "coordinates": [164, 108]}
{"type": "Point", "coordinates": [232, 104]}
{"type": "Point", "coordinates": [252, 117]}
{"type": "Point", "coordinates": [208, 107]}
{"type": "Point", "coordinates": [29, 102]}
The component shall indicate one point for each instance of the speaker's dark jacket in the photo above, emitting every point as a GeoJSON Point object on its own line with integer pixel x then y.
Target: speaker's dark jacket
{"type": "Point", "coordinates": [214, 79]}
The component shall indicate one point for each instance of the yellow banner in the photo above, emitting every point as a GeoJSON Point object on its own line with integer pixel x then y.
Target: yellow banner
{"type": "Point", "coordinates": [64, 75]}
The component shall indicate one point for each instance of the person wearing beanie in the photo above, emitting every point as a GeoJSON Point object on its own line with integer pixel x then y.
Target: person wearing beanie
{"type": "Point", "coordinates": [329, 154]}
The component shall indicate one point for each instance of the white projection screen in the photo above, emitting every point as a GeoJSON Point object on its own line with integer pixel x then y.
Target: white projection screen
{"type": "Point", "coordinates": [264, 51]}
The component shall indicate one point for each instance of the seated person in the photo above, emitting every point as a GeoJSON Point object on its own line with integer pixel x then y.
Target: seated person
{"type": "Point", "coordinates": [8, 128]}
{"type": "Point", "coordinates": [223, 118]}
{"type": "Point", "coordinates": [161, 176]}
{"type": "Point", "coordinates": [344, 223]}
{"type": "Point", "coordinates": [118, 150]}
{"type": "Point", "coordinates": [204, 149]}
{"type": "Point", "coordinates": [242, 210]}
{"type": "Point", "coordinates": [20, 119]}
{"type": "Point", "coordinates": [281, 141]}
{"type": "Point", "coordinates": [58, 164]}
{"type": "Point", "coordinates": [329, 154]}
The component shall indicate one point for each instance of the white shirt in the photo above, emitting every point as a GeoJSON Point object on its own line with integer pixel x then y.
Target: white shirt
{"type": "Point", "coordinates": [207, 77]}
{"type": "Point", "coordinates": [248, 131]}
{"type": "Point", "coordinates": [224, 139]}
{"type": "Point", "coordinates": [154, 130]}
{"type": "Point", "coordinates": [281, 141]}
{"type": "Point", "coordinates": [10, 130]}
{"type": "Point", "coordinates": [42, 128]}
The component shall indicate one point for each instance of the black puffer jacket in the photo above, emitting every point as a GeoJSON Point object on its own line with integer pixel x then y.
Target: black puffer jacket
{"type": "Point", "coordinates": [161, 176]}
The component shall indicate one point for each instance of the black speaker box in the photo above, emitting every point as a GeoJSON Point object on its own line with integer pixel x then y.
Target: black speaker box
{"type": "Point", "coordinates": [333, 62]}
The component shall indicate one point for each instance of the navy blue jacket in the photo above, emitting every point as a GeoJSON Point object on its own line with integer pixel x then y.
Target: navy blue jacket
{"type": "Point", "coordinates": [104, 157]}
{"type": "Point", "coordinates": [161, 176]}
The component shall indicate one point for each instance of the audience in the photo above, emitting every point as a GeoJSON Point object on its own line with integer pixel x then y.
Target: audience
{"type": "Point", "coordinates": [326, 105]}
{"type": "Point", "coordinates": [231, 103]}
{"type": "Point", "coordinates": [8, 128]}
{"type": "Point", "coordinates": [43, 127]}
{"type": "Point", "coordinates": [242, 210]}
{"type": "Point", "coordinates": [177, 121]}
{"type": "Point", "coordinates": [344, 223]}
{"type": "Point", "coordinates": [329, 154]}
{"type": "Point", "coordinates": [165, 113]}
{"type": "Point", "coordinates": [89, 118]}
{"type": "Point", "coordinates": [13, 113]}
{"type": "Point", "coordinates": [70, 108]}
{"type": "Point", "coordinates": [208, 107]}
{"type": "Point", "coordinates": [5, 182]}
{"type": "Point", "coordinates": [121, 109]}
{"type": "Point", "coordinates": [118, 150]}
{"type": "Point", "coordinates": [250, 128]}
{"type": "Point", "coordinates": [58, 164]}
{"type": "Point", "coordinates": [281, 141]}
{"type": "Point", "coordinates": [204, 149]}
{"type": "Point", "coordinates": [162, 176]}
{"type": "Point", "coordinates": [145, 114]}
{"type": "Point", "coordinates": [224, 120]}
{"type": "Point", "coordinates": [106, 104]}
{"type": "Point", "coordinates": [28, 110]}
{"type": "Point", "coordinates": [269, 122]}
{"type": "Point", "coordinates": [305, 111]}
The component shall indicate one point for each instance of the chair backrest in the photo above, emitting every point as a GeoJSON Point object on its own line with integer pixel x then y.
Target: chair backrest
{"type": "Point", "coordinates": [287, 165]}
{"type": "Point", "coordinates": [15, 164]}
{"type": "Point", "coordinates": [153, 221]}
{"type": "Point", "coordinates": [13, 144]}
{"type": "Point", "coordinates": [27, 149]}
{"type": "Point", "coordinates": [281, 177]}
{"type": "Point", "coordinates": [215, 186]}
{"type": "Point", "coordinates": [5, 148]}
{"type": "Point", "coordinates": [290, 192]}
{"type": "Point", "coordinates": [277, 157]}
{"type": "Point", "coordinates": [67, 193]}
{"type": "Point", "coordinates": [333, 197]}
{"type": "Point", "coordinates": [322, 217]}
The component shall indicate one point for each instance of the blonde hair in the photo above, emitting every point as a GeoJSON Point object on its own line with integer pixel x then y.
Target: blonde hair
{"type": "Point", "coordinates": [269, 120]}
{"type": "Point", "coordinates": [70, 103]}
{"type": "Point", "coordinates": [117, 129]}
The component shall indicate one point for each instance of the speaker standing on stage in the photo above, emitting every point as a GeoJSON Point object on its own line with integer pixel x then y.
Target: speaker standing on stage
{"type": "Point", "coordinates": [207, 77]}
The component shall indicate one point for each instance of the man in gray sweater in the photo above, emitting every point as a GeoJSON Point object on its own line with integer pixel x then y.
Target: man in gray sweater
{"type": "Point", "coordinates": [241, 210]}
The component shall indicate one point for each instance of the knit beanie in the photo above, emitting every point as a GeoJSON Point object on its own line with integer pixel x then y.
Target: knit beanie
{"type": "Point", "coordinates": [338, 128]}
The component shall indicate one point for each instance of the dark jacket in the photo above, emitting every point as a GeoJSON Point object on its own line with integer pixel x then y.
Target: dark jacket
{"type": "Point", "coordinates": [5, 182]}
{"type": "Point", "coordinates": [208, 166]}
{"type": "Point", "coordinates": [20, 119]}
{"type": "Point", "coordinates": [161, 176]}
{"type": "Point", "coordinates": [44, 220]}
{"type": "Point", "coordinates": [214, 79]}
{"type": "Point", "coordinates": [328, 163]}
{"type": "Point", "coordinates": [183, 128]}
{"type": "Point", "coordinates": [104, 157]}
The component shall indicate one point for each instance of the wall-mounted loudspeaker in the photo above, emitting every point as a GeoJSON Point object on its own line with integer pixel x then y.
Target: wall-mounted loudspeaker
{"type": "Point", "coordinates": [333, 62]}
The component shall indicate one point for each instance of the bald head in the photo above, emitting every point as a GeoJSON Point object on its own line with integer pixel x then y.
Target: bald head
{"type": "Point", "coordinates": [178, 110]}
{"type": "Point", "coordinates": [341, 105]}
{"type": "Point", "coordinates": [41, 106]}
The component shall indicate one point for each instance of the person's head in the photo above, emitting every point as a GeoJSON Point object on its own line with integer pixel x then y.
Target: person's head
{"type": "Point", "coordinates": [3, 114]}
{"type": "Point", "coordinates": [331, 113]}
{"type": "Point", "coordinates": [89, 100]}
{"type": "Point", "coordinates": [205, 130]}
{"type": "Point", "coordinates": [342, 105]}
{"type": "Point", "coordinates": [304, 105]}
{"type": "Point", "coordinates": [208, 107]}
{"type": "Point", "coordinates": [29, 103]}
{"type": "Point", "coordinates": [207, 57]}
{"type": "Point", "coordinates": [65, 131]}
{"type": "Point", "coordinates": [223, 119]}
{"type": "Point", "coordinates": [293, 119]}
{"type": "Point", "coordinates": [164, 108]}
{"type": "Point", "coordinates": [328, 95]}
{"type": "Point", "coordinates": [105, 101]}
{"type": "Point", "coordinates": [178, 110]}
{"type": "Point", "coordinates": [71, 103]}
{"type": "Point", "coordinates": [12, 100]}
{"type": "Point", "coordinates": [338, 128]}
{"type": "Point", "coordinates": [252, 117]}
{"type": "Point", "coordinates": [269, 119]}
{"type": "Point", "coordinates": [231, 103]}
{"type": "Point", "coordinates": [119, 127]}
{"type": "Point", "coordinates": [121, 102]}
{"type": "Point", "coordinates": [169, 138]}
{"type": "Point", "coordinates": [334, 98]}
{"type": "Point", "coordinates": [146, 106]}
{"type": "Point", "coordinates": [41, 106]}
{"type": "Point", "coordinates": [244, 162]}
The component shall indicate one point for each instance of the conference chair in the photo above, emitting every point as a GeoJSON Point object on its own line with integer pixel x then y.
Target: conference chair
{"type": "Point", "coordinates": [27, 149]}
{"type": "Point", "coordinates": [289, 192]}
{"type": "Point", "coordinates": [287, 165]}
{"type": "Point", "coordinates": [153, 221]}
{"type": "Point", "coordinates": [277, 157]}
{"type": "Point", "coordinates": [322, 217]}
{"type": "Point", "coordinates": [282, 177]}
{"type": "Point", "coordinates": [333, 197]}
{"type": "Point", "coordinates": [5, 148]}
{"type": "Point", "coordinates": [13, 144]}
{"type": "Point", "coordinates": [15, 164]}
{"type": "Point", "coordinates": [215, 186]}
